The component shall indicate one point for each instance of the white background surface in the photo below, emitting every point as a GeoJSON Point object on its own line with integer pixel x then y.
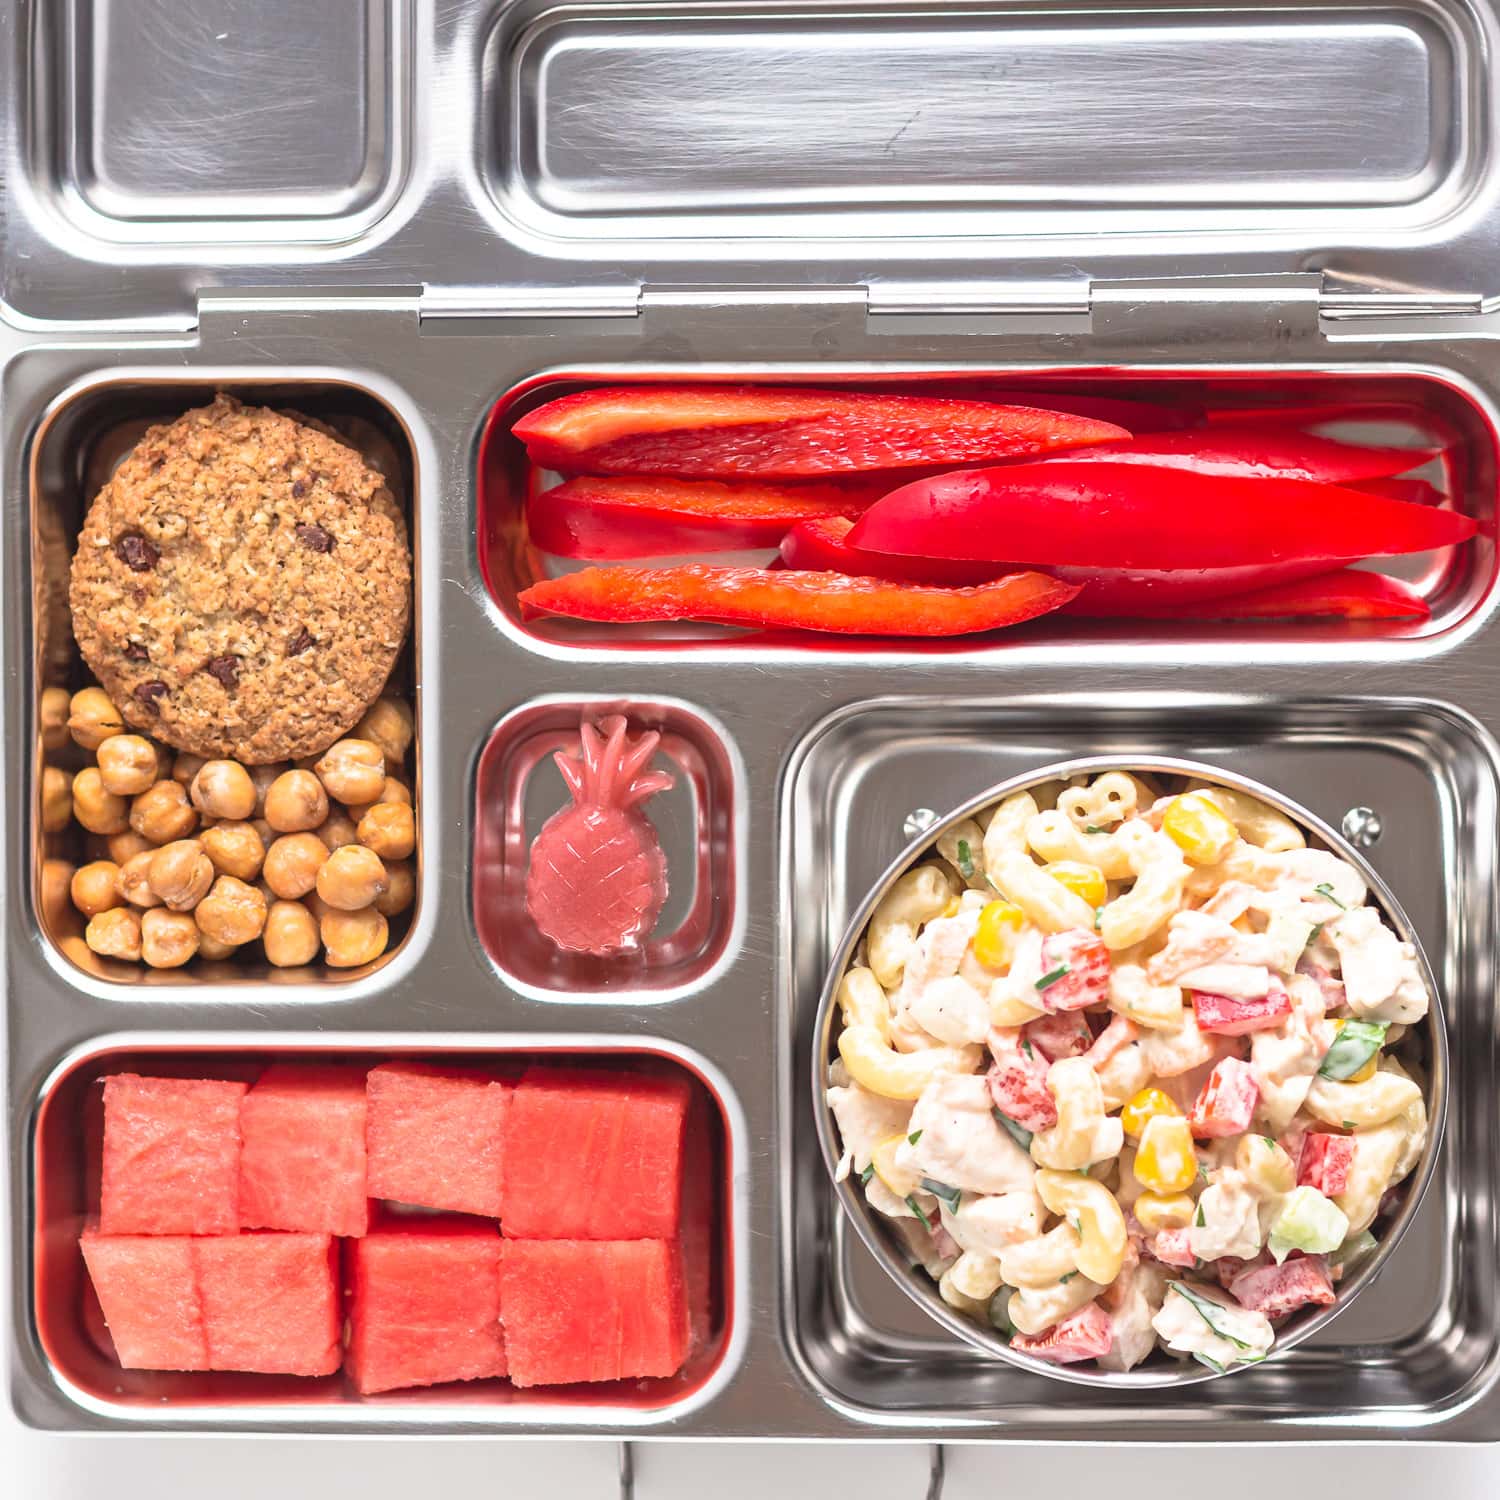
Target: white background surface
{"type": "Point", "coordinates": [150, 1468]}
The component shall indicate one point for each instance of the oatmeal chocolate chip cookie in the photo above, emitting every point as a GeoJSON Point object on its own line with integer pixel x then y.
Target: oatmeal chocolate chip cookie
{"type": "Point", "coordinates": [242, 584]}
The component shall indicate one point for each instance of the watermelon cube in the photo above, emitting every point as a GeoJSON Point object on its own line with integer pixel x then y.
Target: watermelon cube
{"type": "Point", "coordinates": [1325, 1162]}
{"type": "Point", "coordinates": [171, 1156]}
{"type": "Point", "coordinates": [592, 1154]}
{"type": "Point", "coordinates": [435, 1136]}
{"type": "Point", "coordinates": [426, 1305]}
{"type": "Point", "coordinates": [270, 1302]}
{"type": "Point", "coordinates": [148, 1290]}
{"type": "Point", "coordinates": [303, 1163]}
{"type": "Point", "coordinates": [578, 1310]}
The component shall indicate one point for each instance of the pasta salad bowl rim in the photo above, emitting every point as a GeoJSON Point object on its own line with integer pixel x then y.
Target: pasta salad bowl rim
{"type": "Point", "coordinates": [884, 1242]}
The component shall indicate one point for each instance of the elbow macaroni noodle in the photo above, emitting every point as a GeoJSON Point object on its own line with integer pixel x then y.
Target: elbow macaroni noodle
{"type": "Point", "coordinates": [1026, 1214]}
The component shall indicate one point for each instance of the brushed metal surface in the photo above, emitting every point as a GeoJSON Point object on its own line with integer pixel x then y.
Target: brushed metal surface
{"type": "Point", "coordinates": [1425, 1048]}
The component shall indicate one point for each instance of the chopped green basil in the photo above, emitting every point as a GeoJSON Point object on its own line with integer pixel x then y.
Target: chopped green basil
{"type": "Point", "coordinates": [1066, 1278]}
{"type": "Point", "coordinates": [867, 1174]}
{"type": "Point", "coordinates": [1098, 915]}
{"type": "Point", "coordinates": [1213, 1364]}
{"type": "Point", "coordinates": [1208, 1310]}
{"type": "Point", "coordinates": [1202, 1170]}
{"type": "Point", "coordinates": [1199, 1220]}
{"type": "Point", "coordinates": [965, 860]}
{"type": "Point", "coordinates": [1349, 1125]}
{"type": "Point", "coordinates": [914, 1137]}
{"type": "Point", "coordinates": [1268, 1143]}
{"type": "Point", "coordinates": [1026, 1046]}
{"type": "Point", "coordinates": [1075, 1224]}
{"type": "Point", "coordinates": [1326, 891]}
{"type": "Point", "coordinates": [1312, 937]}
{"type": "Point", "coordinates": [1356, 1043]}
{"type": "Point", "coordinates": [1021, 1137]}
{"type": "Point", "coordinates": [1048, 980]}
{"type": "Point", "coordinates": [943, 1193]}
{"type": "Point", "coordinates": [1093, 828]}
{"type": "Point", "coordinates": [916, 1208]}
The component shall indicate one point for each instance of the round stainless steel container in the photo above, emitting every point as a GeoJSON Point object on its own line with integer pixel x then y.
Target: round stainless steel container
{"type": "Point", "coordinates": [1428, 1040]}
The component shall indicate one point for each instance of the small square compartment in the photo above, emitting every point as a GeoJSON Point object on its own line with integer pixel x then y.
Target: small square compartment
{"type": "Point", "coordinates": [1384, 407]}
{"type": "Point", "coordinates": [76, 446]}
{"type": "Point", "coordinates": [517, 788]}
{"type": "Point", "coordinates": [64, 1338]}
{"type": "Point", "coordinates": [1417, 1348]}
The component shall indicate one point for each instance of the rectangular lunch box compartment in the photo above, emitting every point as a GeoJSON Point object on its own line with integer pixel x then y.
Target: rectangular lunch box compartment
{"type": "Point", "coordinates": [1422, 1339]}
{"type": "Point", "coordinates": [76, 447]}
{"type": "Point", "coordinates": [229, 120]}
{"type": "Point", "coordinates": [518, 788]}
{"type": "Point", "coordinates": [1397, 408]}
{"type": "Point", "coordinates": [67, 1128]}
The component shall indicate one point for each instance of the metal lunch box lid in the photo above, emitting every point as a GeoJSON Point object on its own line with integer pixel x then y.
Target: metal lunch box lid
{"type": "Point", "coordinates": [1066, 163]}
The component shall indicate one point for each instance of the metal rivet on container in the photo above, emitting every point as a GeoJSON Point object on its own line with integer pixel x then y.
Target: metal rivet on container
{"type": "Point", "coordinates": [1362, 827]}
{"type": "Point", "coordinates": [918, 821]}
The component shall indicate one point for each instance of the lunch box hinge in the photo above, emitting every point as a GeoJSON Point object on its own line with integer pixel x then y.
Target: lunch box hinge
{"type": "Point", "coordinates": [223, 304]}
{"type": "Point", "coordinates": [1276, 309]}
{"type": "Point", "coordinates": [1061, 303]}
{"type": "Point", "coordinates": [450, 305]}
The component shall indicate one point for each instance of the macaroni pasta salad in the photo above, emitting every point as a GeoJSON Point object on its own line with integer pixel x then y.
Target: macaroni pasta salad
{"type": "Point", "coordinates": [1120, 1066]}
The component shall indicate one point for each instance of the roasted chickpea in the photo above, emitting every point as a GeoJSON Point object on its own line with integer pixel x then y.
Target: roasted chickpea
{"type": "Point", "coordinates": [262, 777]}
{"type": "Point", "coordinates": [316, 905]}
{"type": "Point", "coordinates": [292, 864]}
{"type": "Point", "coordinates": [92, 718]}
{"type": "Point", "coordinates": [53, 896]}
{"type": "Point", "coordinates": [223, 789]}
{"type": "Point", "coordinates": [232, 912]}
{"type": "Point", "coordinates": [390, 829]}
{"type": "Point", "coordinates": [52, 715]}
{"type": "Point", "coordinates": [124, 846]}
{"type": "Point", "coordinates": [296, 802]}
{"type": "Point", "coordinates": [353, 771]}
{"type": "Point", "coordinates": [186, 766]}
{"type": "Point", "coordinates": [99, 811]}
{"type": "Point", "coordinates": [388, 724]}
{"type": "Point", "coordinates": [351, 877]}
{"type": "Point", "coordinates": [96, 887]}
{"type": "Point", "coordinates": [399, 893]}
{"type": "Point", "coordinates": [127, 764]}
{"type": "Point", "coordinates": [181, 873]}
{"type": "Point", "coordinates": [135, 880]}
{"type": "Point", "coordinates": [395, 790]}
{"type": "Point", "coordinates": [235, 848]}
{"type": "Point", "coordinates": [115, 933]}
{"type": "Point", "coordinates": [212, 950]}
{"type": "Point", "coordinates": [168, 938]}
{"type": "Point", "coordinates": [163, 813]}
{"type": "Point", "coordinates": [338, 830]}
{"type": "Point", "coordinates": [291, 936]}
{"type": "Point", "coordinates": [57, 799]}
{"type": "Point", "coordinates": [353, 937]}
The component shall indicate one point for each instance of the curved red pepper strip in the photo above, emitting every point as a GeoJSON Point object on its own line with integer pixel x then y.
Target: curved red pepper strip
{"type": "Point", "coordinates": [612, 518]}
{"type": "Point", "coordinates": [786, 600]}
{"type": "Point", "coordinates": [775, 432]}
{"type": "Point", "coordinates": [1348, 594]}
{"type": "Point", "coordinates": [1134, 516]}
{"type": "Point", "coordinates": [822, 545]}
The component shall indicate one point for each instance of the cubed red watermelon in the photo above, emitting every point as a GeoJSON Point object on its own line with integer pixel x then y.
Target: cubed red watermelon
{"type": "Point", "coordinates": [148, 1289]}
{"type": "Point", "coordinates": [435, 1136]}
{"type": "Point", "coordinates": [426, 1305]}
{"type": "Point", "coordinates": [578, 1310]}
{"type": "Point", "coordinates": [592, 1154]}
{"type": "Point", "coordinates": [303, 1163]}
{"type": "Point", "coordinates": [270, 1302]}
{"type": "Point", "coordinates": [171, 1156]}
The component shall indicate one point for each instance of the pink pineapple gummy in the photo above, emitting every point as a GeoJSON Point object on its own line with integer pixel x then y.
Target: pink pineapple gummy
{"type": "Point", "coordinates": [598, 878]}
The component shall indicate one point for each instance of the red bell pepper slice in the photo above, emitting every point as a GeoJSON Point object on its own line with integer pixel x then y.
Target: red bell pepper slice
{"type": "Point", "coordinates": [1226, 1103]}
{"type": "Point", "coordinates": [785, 600]}
{"type": "Point", "coordinates": [628, 517]}
{"type": "Point", "coordinates": [1266, 451]}
{"type": "Point", "coordinates": [1137, 517]}
{"type": "Point", "coordinates": [1134, 416]}
{"type": "Point", "coordinates": [772, 432]}
{"type": "Point", "coordinates": [822, 545]}
{"type": "Point", "coordinates": [1348, 594]}
{"type": "Point", "coordinates": [1413, 491]}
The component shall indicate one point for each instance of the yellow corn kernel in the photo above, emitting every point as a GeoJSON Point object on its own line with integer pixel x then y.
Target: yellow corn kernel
{"type": "Point", "coordinates": [1082, 879]}
{"type": "Point", "coordinates": [1165, 1161]}
{"type": "Point", "coordinates": [1370, 1068]}
{"type": "Point", "coordinates": [1146, 1105]}
{"type": "Point", "coordinates": [1000, 924]}
{"type": "Point", "coordinates": [953, 908]}
{"type": "Point", "coordinates": [900, 1180]}
{"type": "Point", "coordinates": [1198, 828]}
{"type": "Point", "coordinates": [1158, 1211]}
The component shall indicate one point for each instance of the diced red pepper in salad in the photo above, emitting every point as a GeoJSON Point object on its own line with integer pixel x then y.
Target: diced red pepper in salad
{"type": "Point", "coordinates": [1065, 1034]}
{"type": "Point", "coordinates": [1267, 452]}
{"type": "Point", "coordinates": [1125, 517]}
{"type": "Point", "coordinates": [1325, 1162]}
{"type": "Point", "coordinates": [1173, 1247]}
{"type": "Point", "coordinates": [1226, 1103]}
{"type": "Point", "coordinates": [1018, 1081]}
{"type": "Point", "coordinates": [611, 518]}
{"type": "Point", "coordinates": [724, 431]}
{"type": "Point", "coordinates": [1229, 1016]}
{"type": "Point", "coordinates": [1300, 1281]}
{"type": "Point", "coordinates": [1075, 970]}
{"type": "Point", "coordinates": [1085, 1334]}
{"type": "Point", "coordinates": [1347, 594]}
{"type": "Point", "coordinates": [784, 600]}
